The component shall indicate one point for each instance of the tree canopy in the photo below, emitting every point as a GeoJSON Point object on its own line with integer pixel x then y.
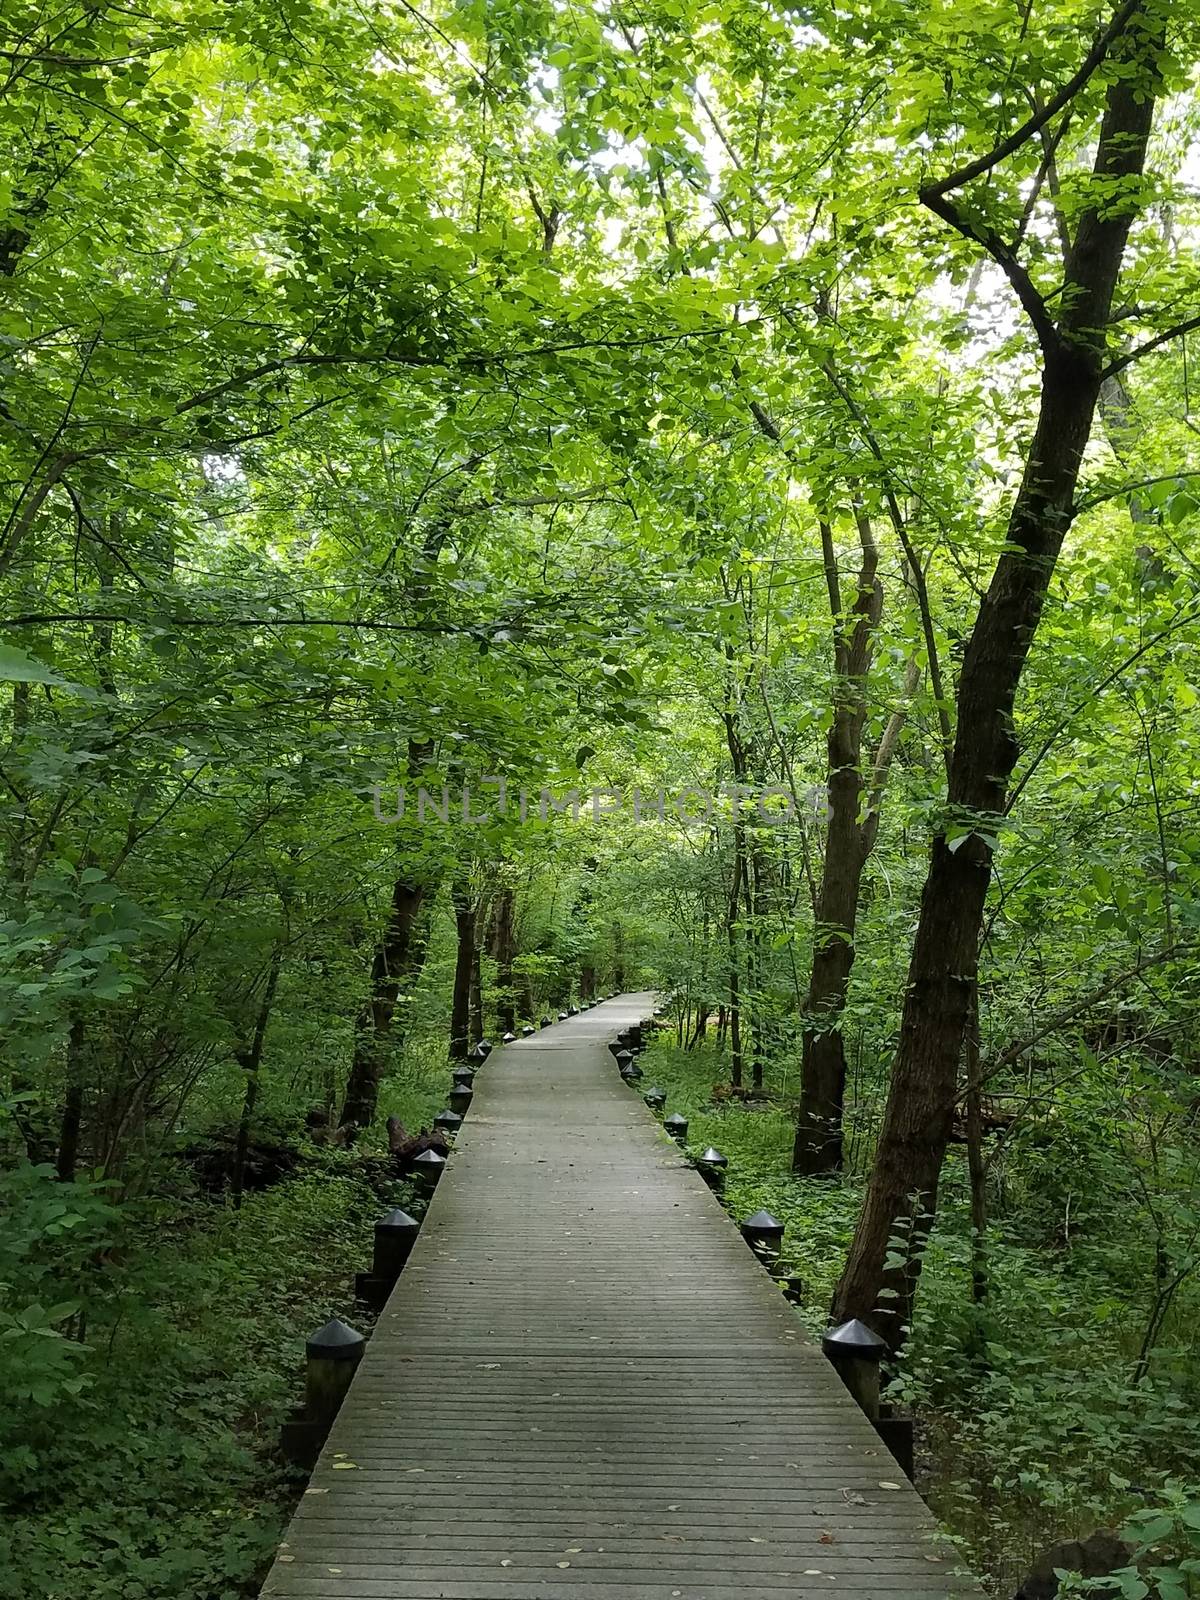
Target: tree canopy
{"type": "Point", "coordinates": [772, 422]}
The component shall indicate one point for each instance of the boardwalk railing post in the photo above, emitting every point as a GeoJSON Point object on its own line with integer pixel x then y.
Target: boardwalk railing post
{"type": "Point", "coordinates": [395, 1236]}
{"type": "Point", "coordinates": [333, 1354]}
{"type": "Point", "coordinates": [764, 1234]}
{"type": "Point", "coordinates": [712, 1167]}
{"type": "Point", "coordinates": [428, 1168]}
{"type": "Point", "coordinates": [856, 1351]}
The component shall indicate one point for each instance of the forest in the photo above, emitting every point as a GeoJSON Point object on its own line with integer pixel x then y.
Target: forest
{"type": "Point", "coordinates": [503, 501]}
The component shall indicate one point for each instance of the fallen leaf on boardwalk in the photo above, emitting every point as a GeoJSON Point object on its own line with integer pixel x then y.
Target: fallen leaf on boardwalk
{"type": "Point", "coordinates": [287, 1558]}
{"type": "Point", "coordinates": [933, 1558]}
{"type": "Point", "coordinates": [562, 1563]}
{"type": "Point", "coordinates": [316, 1491]}
{"type": "Point", "coordinates": [506, 1563]}
{"type": "Point", "coordinates": [812, 1572]}
{"type": "Point", "coordinates": [489, 1366]}
{"type": "Point", "coordinates": [826, 1538]}
{"type": "Point", "coordinates": [853, 1499]}
{"type": "Point", "coordinates": [337, 1571]}
{"type": "Point", "coordinates": [884, 1484]}
{"type": "Point", "coordinates": [345, 1466]}
{"type": "Point", "coordinates": [757, 1541]}
{"type": "Point", "coordinates": [672, 1508]}
{"type": "Point", "coordinates": [577, 1550]}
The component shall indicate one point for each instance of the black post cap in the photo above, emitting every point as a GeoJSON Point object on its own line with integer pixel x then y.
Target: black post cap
{"type": "Point", "coordinates": [510, 1037]}
{"type": "Point", "coordinates": [855, 1340]}
{"type": "Point", "coordinates": [712, 1157]}
{"type": "Point", "coordinates": [546, 1021]}
{"type": "Point", "coordinates": [429, 1164]}
{"type": "Point", "coordinates": [460, 1101]}
{"type": "Point", "coordinates": [676, 1126]}
{"type": "Point", "coordinates": [397, 1221]}
{"type": "Point", "coordinates": [336, 1341]}
{"type": "Point", "coordinates": [562, 1016]}
{"type": "Point", "coordinates": [762, 1228]}
{"type": "Point", "coordinates": [572, 1011]}
{"type": "Point", "coordinates": [527, 1030]}
{"type": "Point", "coordinates": [632, 1072]}
{"type": "Point", "coordinates": [484, 1048]}
{"type": "Point", "coordinates": [448, 1121]}
{"type": "Point", "coordinates": [655, 1098]}
{"type": "Point", "coordinates": [463, 1077]}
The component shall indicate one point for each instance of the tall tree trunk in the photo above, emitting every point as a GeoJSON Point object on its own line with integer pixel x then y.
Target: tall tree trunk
{"type": "Point", "coordinates": [395, 966]}
{"type": "Point", "coordinates": [460, 1008]}
{"type": "Point", "coordinates": [476, 992]}
{"type": "Point", "coordinates": [942, 972]}
{"type": "Point", "coordinates": [734, 1008]}
{"type": "Point", "coordinates": [618, 957]}
{"type": "Point", "coordinates": [505, 949]}
{"type": "Point", "coordinates": [818, 1149]}
{"type": "Point", "coordinates": [250, 1061]}
{"type": "Point", "coordinates": [739, 893]}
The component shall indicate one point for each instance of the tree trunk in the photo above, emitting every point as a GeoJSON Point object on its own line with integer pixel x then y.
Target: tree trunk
{"type": "Point", "coordinates": [942, 971]}
{"type": "Point", "coordinates": [476, 994]}
{"type": "Point", "coordinates": [250, 1060]}
{"type": "Point", "coordinates": [395, 966]}
{"type": "Point", "coordinates": [734, 1008]}
{"type": "Point", "coordinates": [818, 1150]}
{"type": "Point", "coordinates": [460, 1008]}
{"type": "Point", "coordinates": [506, 1006]}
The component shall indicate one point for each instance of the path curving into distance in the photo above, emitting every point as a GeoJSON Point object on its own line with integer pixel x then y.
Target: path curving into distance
{"type": "Point", "coordinates": [585, 1386]}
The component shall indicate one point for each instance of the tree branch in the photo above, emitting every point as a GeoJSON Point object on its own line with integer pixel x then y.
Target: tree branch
{"type": "Point", "coordinates": [1034, 306]}
{"type": "Point", "coordinates": [1177, 332]}
{"type": "Point", "coordinates": [1009, 146]}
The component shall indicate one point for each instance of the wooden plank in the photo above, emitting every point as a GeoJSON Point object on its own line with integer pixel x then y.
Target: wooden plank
{"type": "Point", "coordinates": [586, 1387]}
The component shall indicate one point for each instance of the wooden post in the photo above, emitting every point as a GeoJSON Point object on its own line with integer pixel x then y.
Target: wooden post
{"type": "Point", "coordinates": [333, 1354]}
{"type": "Point", "coordinates": [395, 1236]}
{"type": "Point", "coordinates": [856, 1351]}
{"type": "Point", "coordinates": [331, 1358]}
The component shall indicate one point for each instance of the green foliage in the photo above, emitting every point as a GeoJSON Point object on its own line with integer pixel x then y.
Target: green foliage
{"type": "Point", "coordinates": [148, 1470]}
{"type": "Point", "coordinates": [502, 396]}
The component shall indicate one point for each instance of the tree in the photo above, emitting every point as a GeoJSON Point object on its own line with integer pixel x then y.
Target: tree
{"type": "Point", "coordinates": [1075, 358]}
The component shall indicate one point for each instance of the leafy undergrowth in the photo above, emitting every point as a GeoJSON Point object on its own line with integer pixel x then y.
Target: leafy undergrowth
{"type": "Point", "coordinates": [150, 1357]}
{"type": "Point", "coordinates": [416, 1088]}
{"type": "Point", "coordinates": [1033, 1422]}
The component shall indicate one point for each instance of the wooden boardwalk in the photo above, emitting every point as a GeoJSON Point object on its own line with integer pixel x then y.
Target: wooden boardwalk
{"type": "Point", "coordinates": [585, 1386]}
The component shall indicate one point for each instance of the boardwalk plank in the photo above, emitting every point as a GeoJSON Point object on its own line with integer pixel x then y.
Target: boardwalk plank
{"type": "Point", "coordinates": [586, 1387]}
